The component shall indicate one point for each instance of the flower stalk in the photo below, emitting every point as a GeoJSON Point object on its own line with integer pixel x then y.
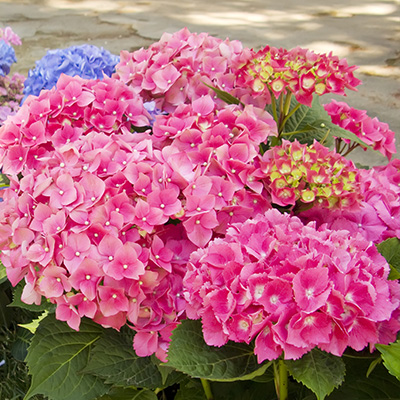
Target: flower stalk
{"type": "Point", "coordinates": [207, 388]}
{"type": "Point", "coordinates": [281, 379]}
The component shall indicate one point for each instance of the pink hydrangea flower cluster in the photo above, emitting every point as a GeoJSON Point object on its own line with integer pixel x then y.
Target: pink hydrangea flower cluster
{"type": "Point", "coordinates": [9, 36]}
{"type": "Point", "coordinates": [273, 71]}
{"type": "Point", "coordinates": [86, 219]}
{"type": "Point", "coordinates": [291, 288]}
{"type": "Point", "coordinates": [373, 132]}
{"type": "Point", "coordinates": [378, 217]}
{"type": "Point", "coordinates": [297, 174]}
{"type": "Point", "coordinates": [175, 69]}
{"type": "Point", "coordinates": [11, 94]}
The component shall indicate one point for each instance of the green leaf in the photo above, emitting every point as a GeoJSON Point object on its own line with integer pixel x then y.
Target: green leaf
{"type": "Point", "coordinates": [44, 306]}
{"type": "Point", "coordinates": [391, 357]}
{"type": "Point", "coordinates": [224, 96]}
{"type": "Point", "coordinates": [55, 358]}
{"type": "Point", "coordinates": [114, 360]}
{"type": "Point", "coordinates": [4, 181]}
{"type": "Point", "coordinates": [311, 123]}
{"type": "Point", "coordinates": [19, 348]}
{"type": "Point", "coordinates": [246, 390]}
{"type": "Point", "coordinates": [380, 385]}
{"type": "Point", "coordinates": [314, 122]}
{"type": "Point", "coordinates": [128, 394]}
{"type": "Point", "coordinates": [390, 249]}
{"type": "Point", "coordinates": [5, 312]}
{"type": "Point", "coordinates": [3, 273]}
{"type": "Point", "coordinates": [189, 353]}
{"type": "Point", "coordinates": [319, 371]}
{"type": "Point", "coordinates": [34, 324]}
{"type": "Point", "coordinates": [169, 375]}
{"type": "Point", "coordinates": [192, 390]}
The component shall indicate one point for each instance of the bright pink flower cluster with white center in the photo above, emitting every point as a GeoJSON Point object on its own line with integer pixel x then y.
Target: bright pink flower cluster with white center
{"type": "Point", "coordinates": [273, 71]}
{"type": "Point", "coordinates": [297, 174]}
{"type": "Point", "coordinates": [291, 288]}
{"type": "Point", "coordinates": [174, 70]}
{"type": "Point", "coordinates": [373, 132]}
{"type": "Point", "coordinates": [378, 217]}
{"type": "Point", "coordinates": [86, 217]}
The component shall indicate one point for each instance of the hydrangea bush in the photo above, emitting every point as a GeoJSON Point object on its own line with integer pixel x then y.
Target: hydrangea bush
{"type": "Point", "coordinates": [187, 219]}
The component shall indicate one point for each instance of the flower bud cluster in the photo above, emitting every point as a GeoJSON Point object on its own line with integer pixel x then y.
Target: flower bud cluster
{"type": "Point", "coordinates": [313, 175]}
{"type": "Point", "coordinates": [272, 71]}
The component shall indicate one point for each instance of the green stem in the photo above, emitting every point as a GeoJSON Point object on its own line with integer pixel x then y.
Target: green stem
{"type": "Point", "coordinates": [286, 108]}
{"type": "Point", "coordinates": [350, 149]}
{"type": "Point", "coordinates": [273, 104]}
{"type": "Point", "coordinates": [294, 132]}
{"type": "Point", "coordinates": [281, 379]}
{"type": "Point", "coordinates": [207, 389]}
{"type": "Point", "coordinates": [283, 123]}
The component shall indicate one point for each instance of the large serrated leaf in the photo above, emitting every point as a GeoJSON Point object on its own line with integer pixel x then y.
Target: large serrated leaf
{"type": "Point", "coordinates": [390, 250]}
{"type": "Point", "coordinates": [189, 353]}
{"type": "Point", "coordinates": [55, 358]}
{"type": "Point", "coordinates": [44, 306]}
{"type": "Point", "coordinates": [314, 123]}
{"type": "Point", "coordinates": [120, 393]}
{"type": "Point", "coordinates": [114, 360]}
{"type": "Point", "coordinates": [391, 357]}
{"type": "Point", "coordinates": [379, 385]}
{"type": "Point", "coordinates": [319, 371]}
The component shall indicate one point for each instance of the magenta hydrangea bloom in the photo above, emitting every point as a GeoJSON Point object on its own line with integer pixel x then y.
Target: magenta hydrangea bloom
{"type": "Point", "coordinates": [85, 220]}
{"type": "Point", "coordinates": [373, 132]}
{"type": "Point", "coordinates": [378, 217]}
{"type": "Point", "coordinates": [175, 69]}
{"type": "Point", "coordinates": [290, 288]}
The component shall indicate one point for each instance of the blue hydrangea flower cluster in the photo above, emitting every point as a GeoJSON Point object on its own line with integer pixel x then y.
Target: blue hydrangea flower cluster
{"type": "Point", "coordinates": [86, 61]}
{"type": "Point", "coordinates": [7, 58]}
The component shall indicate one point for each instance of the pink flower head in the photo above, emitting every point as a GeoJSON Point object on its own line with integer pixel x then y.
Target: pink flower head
{"type": "Point", "coordinates": [370, 130]}
{"type": "Point", "coordinates": [303, 288]}
{"type": "Point", "coordinates": [299, 71]}
{"type": "Point", "coordinates": [298, 174]}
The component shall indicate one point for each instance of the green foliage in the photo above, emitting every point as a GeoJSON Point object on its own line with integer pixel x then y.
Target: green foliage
{"type": "Point", "coordinates": [4, 181]}
{"type": "Point", "coordinates": [379, 385]}
{"type": "Point", "coordinates": [315, 123]}
{"type": "Point", "coordinates": [57, 355]}
{"type": "Point", "coordinates": [224, 96]}
{"type": "Point", "coordinates": [189, 353]}
{"type": "Point", "coordinates": [14, 341]}
{"type": "Point", "coordinates": [114, 360]}
{"type": "Point", "coordinates": [191, 389]}
{"type": "Point", "coordinates": [3, 273]}
{"type": "Point", "coordinates": [120, 393]}
{"type": "Point", "coordinates": [391, 357]}
{"type": "Point", "coordinates": [319, 371]}
{"type": "Point", "coordinates": [390, 249]}
{"type": "Point", "coordinates": [44, 306]}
